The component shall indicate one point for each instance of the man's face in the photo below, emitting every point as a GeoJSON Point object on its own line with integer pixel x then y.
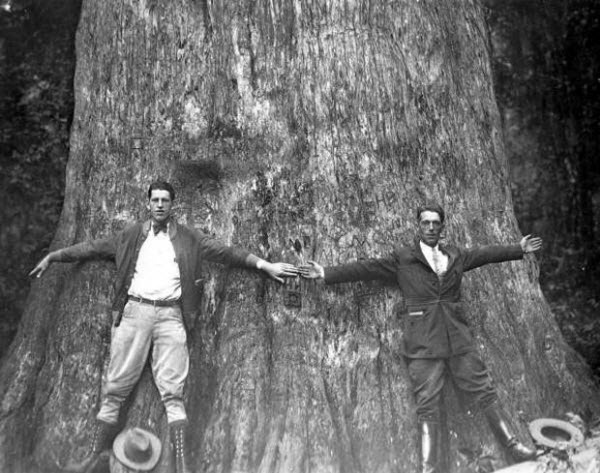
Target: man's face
{"type": "Point", "coordinates": [430, 227]}
{"type": "Point", "coordinates": [160, 205]}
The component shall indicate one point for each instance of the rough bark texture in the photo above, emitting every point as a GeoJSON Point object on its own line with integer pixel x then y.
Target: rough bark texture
{"type": "Point", "coordinates": [299, 130]}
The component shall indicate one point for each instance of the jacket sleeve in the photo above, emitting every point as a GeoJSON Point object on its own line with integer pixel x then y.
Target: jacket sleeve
{"type": "Point", "coordinates": [216, 251]}
{"type": "Point", "coordinates": [475, 257]}
{"type": "Point", "coordinates": [382, 269]}
{"type": "Point", "coordinates": [103, 248]}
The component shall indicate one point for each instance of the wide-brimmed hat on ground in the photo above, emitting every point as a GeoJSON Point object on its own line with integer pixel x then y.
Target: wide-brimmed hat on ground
{"type": "Point", "coordinates": [137, 448]}
{"type": "Point", "coordinates": [555, 433]}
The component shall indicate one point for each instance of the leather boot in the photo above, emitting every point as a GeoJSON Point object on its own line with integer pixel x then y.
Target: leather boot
{"type": "Point", "coordinates": [429, 446]}
{"type": "Point", "coordinates": [178, 442]}
{"type": "Point", "coordinates": [499, 426]}
{"type": "Point", "coordinates": [100, 443]}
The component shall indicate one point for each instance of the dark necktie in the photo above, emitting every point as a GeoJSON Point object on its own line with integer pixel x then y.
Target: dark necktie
{"type": "Point", "coordinates": [159, 227]}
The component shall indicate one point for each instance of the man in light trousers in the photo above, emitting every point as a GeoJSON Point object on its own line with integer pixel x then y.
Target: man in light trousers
{"type": "Point", "coordinates": [157, 264]}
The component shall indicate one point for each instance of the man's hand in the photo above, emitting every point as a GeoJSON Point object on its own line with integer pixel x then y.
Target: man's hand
{"type": "Point", "coordinates": [278, 271]}
{"type": "Point", "coordinates": [312, 271]}
{"type": "Point", "coordinates": [530, 244]}
{"type": "Point", "coordinates": [42, 266]}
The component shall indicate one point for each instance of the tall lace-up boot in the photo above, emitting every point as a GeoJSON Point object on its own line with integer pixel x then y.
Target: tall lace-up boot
{"type": "Point", "coordinates": [178, 442]}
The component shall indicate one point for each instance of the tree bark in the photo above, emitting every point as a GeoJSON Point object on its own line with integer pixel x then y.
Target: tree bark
{"type": "Point", "coordinates": [299, 130]}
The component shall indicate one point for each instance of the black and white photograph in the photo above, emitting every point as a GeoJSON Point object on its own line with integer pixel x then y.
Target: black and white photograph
{"type": "Point", "coordinates": [300, 236]}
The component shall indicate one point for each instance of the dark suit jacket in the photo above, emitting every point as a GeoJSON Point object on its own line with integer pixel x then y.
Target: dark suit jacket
{"type": "Point", "coordinates": [436, 326]}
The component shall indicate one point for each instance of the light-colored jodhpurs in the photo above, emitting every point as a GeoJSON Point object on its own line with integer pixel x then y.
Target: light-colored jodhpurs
{"type": "Point", "coordinates": [142, 327]}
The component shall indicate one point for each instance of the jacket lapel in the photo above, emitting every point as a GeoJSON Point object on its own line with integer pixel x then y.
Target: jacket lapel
{"type": "Point", "coordinates": [418, 254]}
{"type": "Point", "coordinates": [451, 252]}
{"type": "Point", "coordinates": [146, 226]}
{"type": "Point", "coordinates": [172, 228]}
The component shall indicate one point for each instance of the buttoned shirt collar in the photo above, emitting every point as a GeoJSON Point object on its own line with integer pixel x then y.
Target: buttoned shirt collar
{"type": "Point", "coordinates": [428, 253]}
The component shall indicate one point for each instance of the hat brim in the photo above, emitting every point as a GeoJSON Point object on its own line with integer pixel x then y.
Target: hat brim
{"type": "Point", "coordinates": [574, 434]}
{"type": "Point", "coordinates": [118, 450]}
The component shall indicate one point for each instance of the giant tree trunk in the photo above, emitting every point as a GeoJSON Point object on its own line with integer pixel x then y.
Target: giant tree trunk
{"type": "Point", "coordinates": [299, 130]}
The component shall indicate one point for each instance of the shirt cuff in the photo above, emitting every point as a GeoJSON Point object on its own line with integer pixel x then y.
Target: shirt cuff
{"type": "Point", "coordinates": [251, 260]}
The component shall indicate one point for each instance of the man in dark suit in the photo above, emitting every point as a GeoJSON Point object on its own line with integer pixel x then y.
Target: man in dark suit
{"type": "Point", "coordinates": [437, 338]}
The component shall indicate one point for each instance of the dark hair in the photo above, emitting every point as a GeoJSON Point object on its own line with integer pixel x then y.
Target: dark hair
{"type": "Point", "coordinates": [161, 186]}
{"type": "Point", "coordinates": [431, 208]}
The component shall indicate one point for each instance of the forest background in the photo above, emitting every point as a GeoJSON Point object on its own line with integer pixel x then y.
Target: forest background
{"type": "Point", "coordinates": [546, 63]}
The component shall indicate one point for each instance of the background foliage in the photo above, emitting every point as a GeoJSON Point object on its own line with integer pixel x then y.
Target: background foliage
{"type": "Point", "coordinates": [546, 66]}
{"type": "Point", "coordinates": [547, 74]}
{"type": "Point", "coordinates": [36, 102]}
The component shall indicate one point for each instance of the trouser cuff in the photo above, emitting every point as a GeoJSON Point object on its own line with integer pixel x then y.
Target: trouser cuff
{"type": "Point", "coordinates": [107, 418]}
{"type": "Point", "coordinates": [109, 410]}
{"type": "Point", "coordinates": [175, 410]}
{"type": "Point", "coordinates": [177, 423]}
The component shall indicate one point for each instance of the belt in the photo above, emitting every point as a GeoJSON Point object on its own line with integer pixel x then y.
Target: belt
{"type": "Point", "coordinates": [170, 303]}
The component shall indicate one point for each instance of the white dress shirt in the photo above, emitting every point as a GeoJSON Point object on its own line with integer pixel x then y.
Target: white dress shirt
{"type": "Point", "coordinates": [156, 275]}
{"type": "Point", "coordinates": [436, 259]}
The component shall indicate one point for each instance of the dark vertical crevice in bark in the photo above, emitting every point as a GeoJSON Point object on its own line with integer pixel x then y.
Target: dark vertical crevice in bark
{"type": "Point", "coordinates": [341, 444]}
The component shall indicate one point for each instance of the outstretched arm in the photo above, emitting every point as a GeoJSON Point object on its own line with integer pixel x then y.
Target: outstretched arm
{"type": "Point", "coordinates": [383, 269]}
{"type": "Point", "coordinates": [103, 248]}
{"type": "Point", "coordinates": [218, 252]}
{"type": "Point", "coordinates": [476, 257]}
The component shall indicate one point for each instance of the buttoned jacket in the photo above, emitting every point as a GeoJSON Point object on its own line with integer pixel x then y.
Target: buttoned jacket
{"type": "Point", "coordinates": [191, 248]}
{"type": "Point", "coordinates": [435, 322]}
